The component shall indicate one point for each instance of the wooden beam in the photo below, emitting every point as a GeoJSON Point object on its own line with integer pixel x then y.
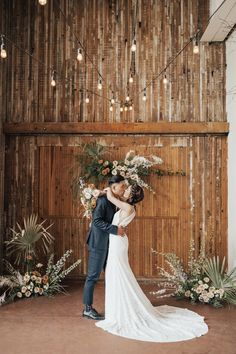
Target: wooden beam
{"type": "Point", "coordinates": [117, 128]}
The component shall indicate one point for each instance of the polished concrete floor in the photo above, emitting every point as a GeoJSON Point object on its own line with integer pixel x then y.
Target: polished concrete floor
{"type": "Point", "coordinates": [55, 326]}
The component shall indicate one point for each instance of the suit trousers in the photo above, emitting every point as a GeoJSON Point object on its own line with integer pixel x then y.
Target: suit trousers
{"type": "Point", "coordinates": [96, 263]}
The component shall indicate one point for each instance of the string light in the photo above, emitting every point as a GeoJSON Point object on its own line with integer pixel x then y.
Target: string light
{"type": "Point", "coordinates": [112, 100]}
{"type": "Point", "coordinates": [42, 2]}
{"type": "Point", "coordinates": [165, 81]}
{"type": "Point", "coordinates": [130, 107]}
{"type": "Point", "coordinates": [126, 108]}
{"type": "Point", "coordinates": [121, 109]}
{"type": "Point", "coordinates": [131, 79]}
{"type": "Point", "coordinates": [53, 81]}
{"type": "Point", "coordinates": [195, 47]}
{"type": "Point", "coordinates": [144, 96]}
{"type": "Point", "coordinates": [3, 50]}
{"type": "Point", "coordinates": [99, 84]}
{"type": "Point", "coordinates": [87, 99]}
{"type": "Point", "coordinates": [133, 46]}
{"type": "Point", "coordinates": [111, 108]}
{"type": "Point", "coordinates": [127, 98]}
{"type": "Point", "coordinates": [79, 54]}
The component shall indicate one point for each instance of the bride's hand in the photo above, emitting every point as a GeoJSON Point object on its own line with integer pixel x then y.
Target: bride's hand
{"type": "Point", "coordinates": [108, 192]}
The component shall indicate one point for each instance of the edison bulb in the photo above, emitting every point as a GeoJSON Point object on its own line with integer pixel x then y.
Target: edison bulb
{"type": "Point", "coordinates": [87, 99]}
{"type": "Point", "coordinates": [131, 79]}
{"type": "Point", "coordinates": [42, 2]}
{"type": "Point", "coordinates": [121, 109]}
{"type": "Point", "coordinates": [195, 49]}
{"type": "Point", "coordinates": [127, 98]}
{"type": "Point", "coordinates": [133, 47]}
{"type": "Point", "coordinates": [99, 84]}
{"type": "Point", "coordinates": [79, 55]}
{"type": "Point", "coordinates": [3, 53]}
{"type": "Point", "coordinates": [144, 97]}
{"type": "Point", "coordinates": [53, 82]}
{"type": "Point", "coordinates": [112, 101]}
{"type": "Point", "coordinates": [111, 108]}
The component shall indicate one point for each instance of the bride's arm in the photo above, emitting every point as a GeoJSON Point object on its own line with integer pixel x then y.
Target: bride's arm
{"type": "Point", "coordinates": [119, 203]}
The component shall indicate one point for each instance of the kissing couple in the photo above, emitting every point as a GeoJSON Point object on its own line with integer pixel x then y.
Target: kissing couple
{"type": "Point", "coordinates": [128, 312]}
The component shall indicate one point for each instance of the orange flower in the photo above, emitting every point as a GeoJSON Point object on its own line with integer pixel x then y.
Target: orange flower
{"type": "Point", "coordinates": [100, 162]}
{"type": "Point", "coordinates": [45, 279]}
{"type": "Point", "coordinates": [93, 203]}
{"type": "Point", "coordinates": [104, 172]}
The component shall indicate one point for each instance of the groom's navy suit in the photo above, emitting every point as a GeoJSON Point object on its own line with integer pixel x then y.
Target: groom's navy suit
{"type": "Point", "coordinates": [98, 243]}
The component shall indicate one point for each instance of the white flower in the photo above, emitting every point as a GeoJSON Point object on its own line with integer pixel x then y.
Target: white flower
{"type": "Point", "coordinates": [87, 195]}
{"type": "Point", "coordinates": [119, 168]}
{"type": "Point", "coordinates": [157, 160]}
{"type": "Point", "coordinates": [122, 173]}
{"type": "Point", "coordinates": [114, 172]}
{"type": "Point", "coordinates": [39, 265]}
{"type": "Point", "coordinates": [26, 277]}
{"type": "Point", "coordinates": [36, 290]}
{"type": "Point", "coordinates": [23, 289]}
{"type": "Point", "coordinates": [187, 293]}
{"type": "Point", "coordinates": [33, 277]}
{"type": "Point", "coordinates": [206, 280]}
{"type": "Point", "coordinates": [28, 293]}
{"type": "Point", "coordinates": [19, 294]}
{"type": "Point", "coordinates": [199, 281]}
{"type": "Point", "coordinates": [206, 286]}
{"type": "Point", "coordinates": [39, 280]}
{"type": "Point", "coordinates": [115, 163]}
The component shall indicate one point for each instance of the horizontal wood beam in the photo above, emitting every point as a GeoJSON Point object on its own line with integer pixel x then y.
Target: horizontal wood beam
{"type": "Point", "coordinates": [117, 128]}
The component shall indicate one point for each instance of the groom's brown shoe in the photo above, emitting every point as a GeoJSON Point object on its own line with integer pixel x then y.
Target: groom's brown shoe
{"type": "Point", "coordinates": [92, 314]}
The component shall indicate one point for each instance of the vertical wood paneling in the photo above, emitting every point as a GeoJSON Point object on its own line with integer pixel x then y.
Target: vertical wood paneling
{"type": "Point", "coordinates": [195, 91]}
{"type": "Point", "coordinates": [182, 208]}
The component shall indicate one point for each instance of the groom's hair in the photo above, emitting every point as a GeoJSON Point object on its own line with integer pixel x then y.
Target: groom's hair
{"type": "Point", "coordinates": [115, 179]}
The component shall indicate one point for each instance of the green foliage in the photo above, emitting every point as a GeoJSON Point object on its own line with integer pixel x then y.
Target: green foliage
{"type": "Point", "coordinates": [26, 240]}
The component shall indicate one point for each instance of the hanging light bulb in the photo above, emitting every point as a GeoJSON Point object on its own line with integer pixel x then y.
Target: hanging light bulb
{"type": "Point", "coordinates": [130, 108]}
{"type": "Point", "coordinates": [3, 50]}
{"type": "Point", "coordinates": [112, 100]}
{"type": "Point", "coordinates": [42, 2]}
{"type": "Point", "coordinates": [131, 79]}
{"type": "Point", "coordinates": [165, 81]}
{"type": "Point", "coordinates": [111, 108]}
{"type": "Point", "coordinates": [144, 96]}
{"type": "Point", "coordinates": [133, 46]}
{"type": "Point", "coordinates": [99, 84]}
{"type": "Point", "coordinates": [127, 98]}
{"type": "Point", "coordinates": [53, 81]}
{"type": "Point", "coordinates": [79, 54]}
{"type": "Point", "coordinates": [121, 109]}
{"type": "Point", "coordinates": [87, 99]}
{"type": "Point", "coordinates": [126, 108]}
{"type": "Point", "coordinates": [196, 47]}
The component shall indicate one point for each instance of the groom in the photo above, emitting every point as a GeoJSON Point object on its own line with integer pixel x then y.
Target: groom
{"type": "Point", "coordinates": [98, 243]}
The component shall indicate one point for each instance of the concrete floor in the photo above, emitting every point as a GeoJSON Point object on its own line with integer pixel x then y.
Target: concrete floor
{"type": "Point", "coordinates": [55, 326]}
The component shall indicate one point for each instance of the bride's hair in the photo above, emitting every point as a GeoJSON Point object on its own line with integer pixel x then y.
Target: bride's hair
{"type": "Point", "coordinates": [136, 194]}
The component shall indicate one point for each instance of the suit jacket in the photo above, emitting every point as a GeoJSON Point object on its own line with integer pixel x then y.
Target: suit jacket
{"type": "Point", "coordinates": [101, 227]}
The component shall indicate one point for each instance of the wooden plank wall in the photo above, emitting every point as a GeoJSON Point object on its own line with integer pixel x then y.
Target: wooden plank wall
{"type": "Point", "coordinates": [196, 82]}
{"type": "Point", "coordinates": [187, 207]}
{"type": "Point", "coordinates": [36, 179]}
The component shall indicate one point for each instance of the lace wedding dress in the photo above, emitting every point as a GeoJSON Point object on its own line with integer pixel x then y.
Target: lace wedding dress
{"type": "Point", "coordinates": [129, 313]}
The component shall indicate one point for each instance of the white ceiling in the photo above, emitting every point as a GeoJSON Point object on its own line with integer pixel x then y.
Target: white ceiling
{"type": "Point", "coordinates": [221, 22]}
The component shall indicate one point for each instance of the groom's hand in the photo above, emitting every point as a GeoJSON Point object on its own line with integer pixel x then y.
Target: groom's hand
{"type": "Point", "coordinates": [121, 231]}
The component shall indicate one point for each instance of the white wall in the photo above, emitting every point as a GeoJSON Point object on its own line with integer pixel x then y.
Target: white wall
{"type": "Point", "coordinates": [214, 4]}
{"type": "Point", "coordinates": [231, 117]}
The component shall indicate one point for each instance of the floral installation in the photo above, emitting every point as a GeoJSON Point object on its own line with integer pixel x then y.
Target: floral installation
{"type": "Point", "coordinates": [32, 280]}
{"type": "Point", "coordinates": [205, 280]}
{"type": "Point", "coordinates": [88, 197]}
{"type": "Point", "coordinates": [134, 168]}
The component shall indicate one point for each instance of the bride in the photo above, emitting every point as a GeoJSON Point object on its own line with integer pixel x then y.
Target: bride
{"type": "Point", "coordinates": [128, 312]}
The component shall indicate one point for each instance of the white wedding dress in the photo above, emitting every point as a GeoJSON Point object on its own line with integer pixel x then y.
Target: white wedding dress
{"type": "Point", "coordinates": [129, 313]}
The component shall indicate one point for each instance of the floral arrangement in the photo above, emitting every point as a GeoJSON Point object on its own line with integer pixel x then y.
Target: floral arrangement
{"type": "Point", "coordinates": [205, 280]}
{"type": "Point", "coordinates": [134, 168]}
{"type": "Point", "coordinates": [88, 197]}
{"type": "Point", "coordinates": [31, 280]}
